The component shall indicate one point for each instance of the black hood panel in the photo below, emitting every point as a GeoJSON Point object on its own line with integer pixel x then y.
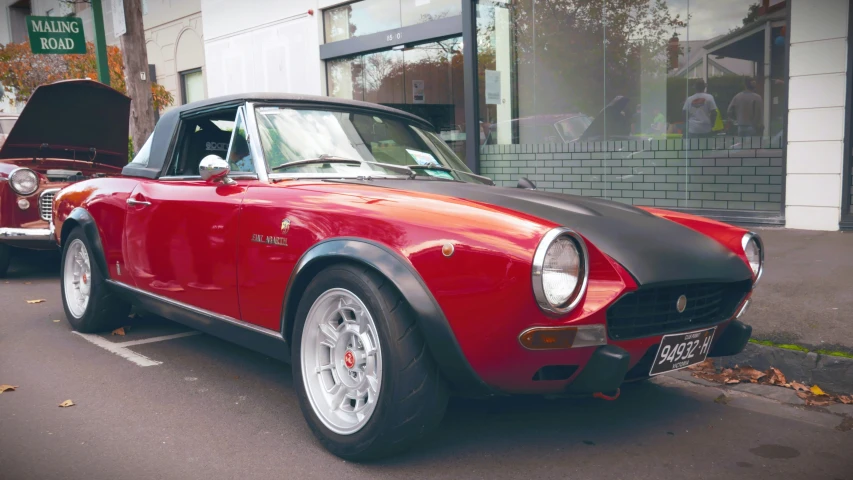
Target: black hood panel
{"type": "Point", "coordinates": [68, 118]}
{"type": "Point", "coordinates": [654, 250]}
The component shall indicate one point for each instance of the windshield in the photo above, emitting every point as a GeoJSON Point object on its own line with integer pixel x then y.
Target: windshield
{"type": "Point", "coordinates": [291, 135]}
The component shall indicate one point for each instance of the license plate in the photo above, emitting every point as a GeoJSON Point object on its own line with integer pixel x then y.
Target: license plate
{"type": "Point", "coordinates": [681, 350]}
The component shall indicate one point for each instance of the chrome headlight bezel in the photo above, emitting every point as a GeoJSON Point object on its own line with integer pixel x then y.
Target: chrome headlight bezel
{"type": "Point", "coordinates": [23, 171]}
{"type": "Point", "coordinates": [538, 264]}
{"type": "Point", "coordinates": [753, 237]}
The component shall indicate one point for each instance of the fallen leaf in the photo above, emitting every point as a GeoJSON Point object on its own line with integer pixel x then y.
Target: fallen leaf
{"type": "Point", "coordinates": [731, 381]}
{"type": "Point", "coordinates": [7, 388]}
{"type": "Point", "coordinates": [775, 377]}
{"type": "Point", "coordinates": [816, 390]}
{"type": "Point", "coordinates": [819, 401]}
{"type": "Point", "coordinates": [705, 366]}
{"type": "Point", "coordinates": [119, 331]}
{"type": "Point", "coordinates": [67, 403]}
{"type": "Point", "coordinates": [56, 321]}
{"type": "Point", "coordinates": [749, 373]}
{"type": "Point", "coordinates": [846, 399]}
{"type": "Point", "coordinates": [36, 301]}
{"type": "Point", "coordinates": [803, 395]}
{"type": "Point", "coordinates": [799, 387]}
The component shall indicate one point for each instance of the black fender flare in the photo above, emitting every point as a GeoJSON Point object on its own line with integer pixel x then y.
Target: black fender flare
{"type": "Point", "coordinates": [433, 324]}
{"type": "Point", "coordinates": [80, 217]}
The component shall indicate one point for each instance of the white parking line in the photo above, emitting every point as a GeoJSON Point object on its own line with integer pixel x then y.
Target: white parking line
{"type": "Point", "coordinates": [122, 351]}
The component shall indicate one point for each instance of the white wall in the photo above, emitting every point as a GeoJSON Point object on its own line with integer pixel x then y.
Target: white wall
{"type": "Point", "coordinates": [263, 45]}
{"type": "Point", "coordinates": [816, 96]}
{"type": "Point", "coordinates": [174, 36]}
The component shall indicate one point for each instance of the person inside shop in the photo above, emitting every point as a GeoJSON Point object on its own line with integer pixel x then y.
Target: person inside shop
{"type": "Point", "coordinates": [747, 110]}
{"type": "Point", "coordinates": [700, 111]}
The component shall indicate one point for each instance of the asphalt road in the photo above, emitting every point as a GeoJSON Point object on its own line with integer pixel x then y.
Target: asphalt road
{"type": "Point", "coordinates": [205, 409]}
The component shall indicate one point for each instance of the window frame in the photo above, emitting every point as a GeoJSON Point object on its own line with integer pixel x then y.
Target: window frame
{"type": "Point", "coordinates": [183, 76]}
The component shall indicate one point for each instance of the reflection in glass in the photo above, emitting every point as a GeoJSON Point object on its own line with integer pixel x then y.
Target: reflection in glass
{"type": "Point", "coordinates": [422, 11]}
{"type": "Point", "coordinates": [361, 18]}
{"type": "Point", "coordinates": [667, 83]}
{"type": "Point", "coordinates": [383, 77]}
{"type": "Point", "coordinates": [425, 80]}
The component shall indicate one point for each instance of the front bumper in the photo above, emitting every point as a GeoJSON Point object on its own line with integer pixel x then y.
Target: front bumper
{"type": "Point", "coordinates": [35, 238]}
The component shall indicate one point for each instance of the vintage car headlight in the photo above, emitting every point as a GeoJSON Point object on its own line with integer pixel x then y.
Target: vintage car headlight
{"type": "Point", "coordinates": [560, 271]}
{"type": "Point", "coordinates": [23, 181]}
{"type": "Point", "coordinates": [754, 252]}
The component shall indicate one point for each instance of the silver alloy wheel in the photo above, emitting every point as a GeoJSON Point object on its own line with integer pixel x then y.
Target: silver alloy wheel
{"type": "Point", "coordinates": [341, 361]}
{"type": "Point", "coordinates": [77, 280]}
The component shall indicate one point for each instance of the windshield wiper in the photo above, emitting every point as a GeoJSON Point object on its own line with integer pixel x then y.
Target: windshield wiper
{"type": "Point", "coordinates": [442, 168]}
{"type": "Point", "coordinates": [314, 161]}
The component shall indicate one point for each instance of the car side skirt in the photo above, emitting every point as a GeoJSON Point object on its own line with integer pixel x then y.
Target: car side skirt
{"type": "Point", "coordinates": [434, 326]}
{"type": "Point", "coordinates": [262, 340]}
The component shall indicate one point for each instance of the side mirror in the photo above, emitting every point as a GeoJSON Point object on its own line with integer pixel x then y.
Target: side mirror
{"type": "Point", "coordinates": [214, 169]}
{"type": "Point", "coordinates": [526, 184]}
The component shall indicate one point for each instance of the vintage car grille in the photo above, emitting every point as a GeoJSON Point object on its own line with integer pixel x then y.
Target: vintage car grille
{"type": "Point", "coordinates": [652, 311]}
{"type": "Point", "coordinates": [46, 204]}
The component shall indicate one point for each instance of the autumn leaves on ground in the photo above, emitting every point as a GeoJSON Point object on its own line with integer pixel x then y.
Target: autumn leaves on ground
{"type": "Point", "coordinates": [729, 376]}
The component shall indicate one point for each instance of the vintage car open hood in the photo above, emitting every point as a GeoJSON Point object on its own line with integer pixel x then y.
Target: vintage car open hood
{"type": "Point", "coordinates": [654, 250]}
{"type": "Point", "coordinates": [72, 119]}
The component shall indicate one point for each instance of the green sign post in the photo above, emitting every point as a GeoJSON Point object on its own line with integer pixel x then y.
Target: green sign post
{"type": "Point", "coordinates": [56, 35]}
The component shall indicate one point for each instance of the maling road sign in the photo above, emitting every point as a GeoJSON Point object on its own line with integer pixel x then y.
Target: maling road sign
{"type": "Point", "coordinates": [56, 35]}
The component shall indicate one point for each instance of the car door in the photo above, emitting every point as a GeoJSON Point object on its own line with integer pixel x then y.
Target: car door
{"type": "Point", "coordinates": [181, 230]}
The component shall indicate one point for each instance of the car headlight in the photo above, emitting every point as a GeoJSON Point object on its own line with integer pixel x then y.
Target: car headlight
{"type": "Point", "coordinates": [24, 181]}
{"type": "Point", "coordinates": [560, 271]}
{"type": "Point", "coordinates": [754, 252]}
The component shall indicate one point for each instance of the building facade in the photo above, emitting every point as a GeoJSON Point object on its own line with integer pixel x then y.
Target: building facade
{"type": "Point", "coordinates": [731, 109]}
{"type": "Point", "coordinates": [173, 35]}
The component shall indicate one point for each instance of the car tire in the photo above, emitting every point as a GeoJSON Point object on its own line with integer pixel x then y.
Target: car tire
{"type": "Point", "coordinates": [412, 396]}
{"type": "Point", "coordinates": [90, 306]}
{"type": "Point", "coordinates": [5, 259]}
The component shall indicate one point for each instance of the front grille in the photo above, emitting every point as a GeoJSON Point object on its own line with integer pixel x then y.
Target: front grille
{"type": "Point", "coordinates": [651, 311]}
{"type": "Point", "coordinates": [46, 204]}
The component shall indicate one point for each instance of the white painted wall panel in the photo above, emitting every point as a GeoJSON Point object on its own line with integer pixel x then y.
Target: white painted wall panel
{"type": "Point", "coordinates": [814, 157]}
{"type": "Point", "coordinates": [818, 91]}
{"type": "Point", "coordinates": [818, 20]}
{"type": "Point", "coordinates": [816, 117]}
{"type": "Point", "coordinates": [284, 57]}
{"type": "Point", "coordinates": [818, 190]}
{"type": "Point", "coordinates": [813, 58]}
{"type": "Point", "coordinates": [815, 124]}
{"type": "Point", "coordinates": [812, 218]}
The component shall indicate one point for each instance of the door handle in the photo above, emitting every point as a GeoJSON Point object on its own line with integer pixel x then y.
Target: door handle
{"type": "Point", "coordinates": [140, 203]}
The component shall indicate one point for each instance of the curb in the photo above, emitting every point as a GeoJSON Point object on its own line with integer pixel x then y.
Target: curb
{"type": "Point", "coordinates": [831, 373]}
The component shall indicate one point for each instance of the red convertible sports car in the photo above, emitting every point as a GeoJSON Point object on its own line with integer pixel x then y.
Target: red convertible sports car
{"type": "Point", "coordinates": [347, 239]}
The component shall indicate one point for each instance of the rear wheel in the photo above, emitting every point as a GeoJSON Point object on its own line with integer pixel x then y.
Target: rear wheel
{"type": "Point", "coordinates": [5, 259]}
{"type": "Point", "coordinates": [88, 303]}
{"type": "Point", "coordinates": [365, 380]}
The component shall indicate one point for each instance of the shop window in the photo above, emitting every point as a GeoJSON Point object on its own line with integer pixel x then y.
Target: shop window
{"type": "Point", "coordinates": [669, 106]}
{"type": "Point", "coordinates": [192, 86]}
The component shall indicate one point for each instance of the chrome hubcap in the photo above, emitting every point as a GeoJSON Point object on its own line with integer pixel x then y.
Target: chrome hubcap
{"type": "Point", "coordinates": [77, 280]}
{"type": "Point", "coordinates": [341, 361]}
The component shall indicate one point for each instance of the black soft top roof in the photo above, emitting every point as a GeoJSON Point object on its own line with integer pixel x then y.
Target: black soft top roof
{"type": "Point", "coordinates": [164, 132]}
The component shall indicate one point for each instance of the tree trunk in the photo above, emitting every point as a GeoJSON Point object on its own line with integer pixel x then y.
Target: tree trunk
{"type": "Point", "coordinates": [135, 60]}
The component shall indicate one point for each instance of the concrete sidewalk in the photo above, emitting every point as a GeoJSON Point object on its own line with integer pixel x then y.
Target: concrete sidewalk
{"type": "Point", "coordinates": [805, 296]}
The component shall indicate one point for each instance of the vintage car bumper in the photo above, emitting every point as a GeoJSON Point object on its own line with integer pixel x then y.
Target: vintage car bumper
{"type": "Point", "coordinates": [37, 238]}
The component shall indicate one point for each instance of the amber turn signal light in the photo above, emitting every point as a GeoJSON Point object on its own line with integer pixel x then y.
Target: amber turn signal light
{"type": "Point", "coordinates": [558, 338]}
{"type": "Point", "coordinates": [548, 338]}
